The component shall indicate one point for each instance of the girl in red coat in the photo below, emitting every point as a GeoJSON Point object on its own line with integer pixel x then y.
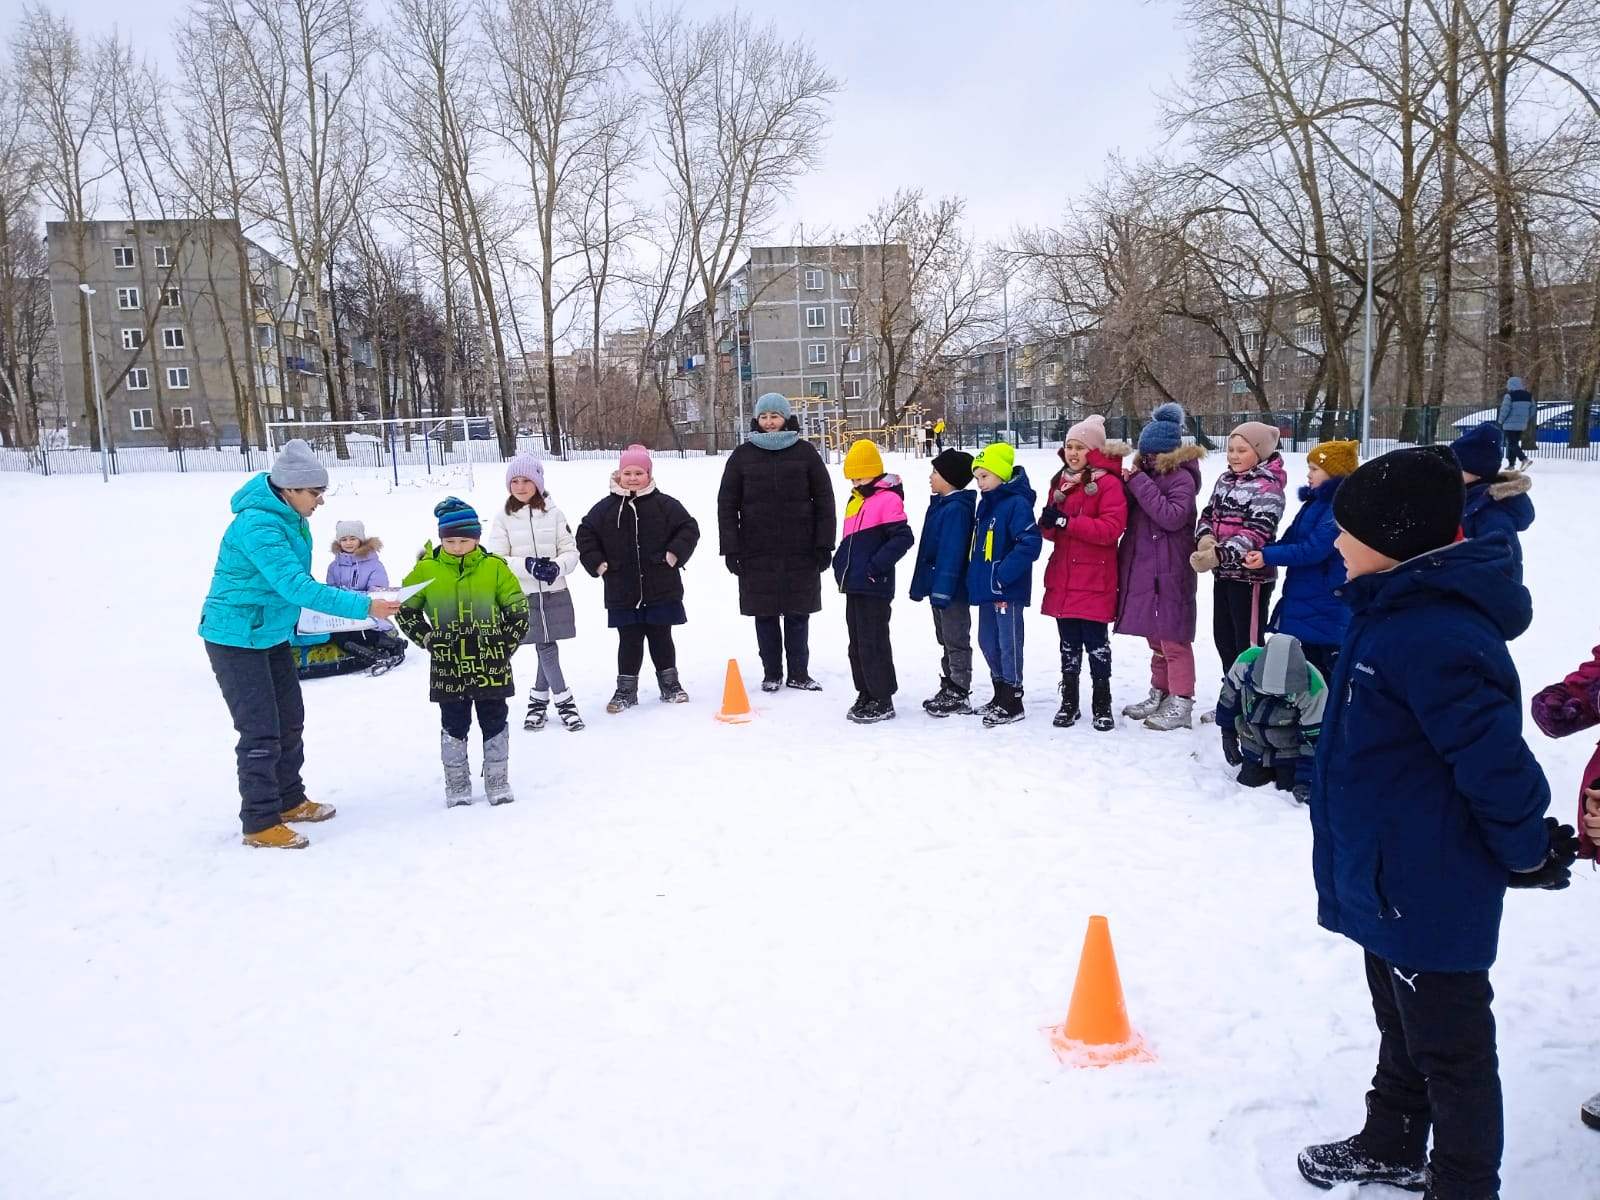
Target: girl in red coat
{"type": "Point", "coordinates": [1085, 512]}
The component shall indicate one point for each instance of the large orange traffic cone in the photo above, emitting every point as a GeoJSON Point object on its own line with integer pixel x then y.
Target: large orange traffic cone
{"type": "Point", "coordinates": [1097, 1033]}
{"type": "Point", "coordinates": [735, 704]}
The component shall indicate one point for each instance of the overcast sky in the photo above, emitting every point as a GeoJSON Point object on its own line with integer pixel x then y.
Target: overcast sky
{"type": "Point", "coordinates": [1012, 105]}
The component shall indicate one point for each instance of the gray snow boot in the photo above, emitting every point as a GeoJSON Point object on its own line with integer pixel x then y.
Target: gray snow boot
{"type": "Point", "coordinates": [671, 690]}
{"type": "Point", "coordinates": [626, 695]}
{"type": "Point", "coordinates": [1176, 712]}
{"type": "Point", "coordinates": [538, 711]}
{"type": "Point", "coordinates": [1590, 1112]}
{"type": "Point", "coordinates": [1146, 707]}
{"type": "Point", "coordinates": [497, 768]}
{"type": "Point", "coordinates": [457, 770]}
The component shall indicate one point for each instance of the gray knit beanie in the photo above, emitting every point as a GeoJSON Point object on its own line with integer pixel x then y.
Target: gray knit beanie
{"type": "Point", "coordinates": [297, 467]}
{"type": "Point", "coordinates": [355, 529]}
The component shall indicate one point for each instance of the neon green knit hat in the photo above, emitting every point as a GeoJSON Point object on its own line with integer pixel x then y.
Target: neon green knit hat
{"type": "Point", "coordinates": [998, 459]}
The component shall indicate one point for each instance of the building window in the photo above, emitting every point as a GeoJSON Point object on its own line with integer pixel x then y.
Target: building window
{"type": "Point", "coordinates": [172, 338]}
{"type": "Point", "coordinates": [264, 335]}
{"type": "Point", "coordinates": [177, 377]}
{"type": "Point", "coordinates": [816, 317]}
{"type": "Point", "coordinates": [171, 298]}
{"type": "Point", "coordinates": [852, 389]}
{"type": "Point", "coordinates": [132, 339]}
{"type": "Point", "coordinates": [819, 388]}
{"type": "Point", "coordinates": [847, 281]}
{"type": "Point", "coordinates": [128, 298]}
{"type": "Point", "coordinates": [123, 257]}
{"type": "Point", "coordinates": [813, 280]}
{"type": "Point", "coordinates": [183, 418]}
{"type": "Point", "coordinates": [817, 353]}
{"type": "Point", "coordinates": [852, 354]}
{"type": "Point", "coordinates": [141, 419]}
{"type": "Point", "coordinates": [847, 316]}
{"type": "Point", "coordinates": [163, 256]}
{"type": "Point", "coordinates": [139, 380]}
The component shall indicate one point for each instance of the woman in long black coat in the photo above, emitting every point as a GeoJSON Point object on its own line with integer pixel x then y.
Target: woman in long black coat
{"type": "Point", "coordinates": [775, 516]}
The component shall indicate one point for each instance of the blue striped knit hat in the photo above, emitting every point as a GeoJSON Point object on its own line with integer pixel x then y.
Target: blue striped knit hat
{"type": "Point", "coordinates": [457, 518]}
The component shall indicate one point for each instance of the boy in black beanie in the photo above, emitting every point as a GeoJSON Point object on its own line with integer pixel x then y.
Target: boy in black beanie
{"type": "Point", "coordinates": [1426, 806]}
{"type": "Point", "coordinates": [940, 577]}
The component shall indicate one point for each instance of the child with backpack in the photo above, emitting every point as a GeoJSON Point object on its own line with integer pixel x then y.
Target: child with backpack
{"type": "Point", "coordinates": [1270, 713]}
{"type": "Point", "coordinates": [876, 536]}
{"type": "Point", "coordinates": [1005, 545]}
{"type": "Point", "coordinates": [940, 578]}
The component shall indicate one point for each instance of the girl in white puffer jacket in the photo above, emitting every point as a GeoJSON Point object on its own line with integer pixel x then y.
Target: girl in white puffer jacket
{"type": "Point", "coordinates": [533, 536]}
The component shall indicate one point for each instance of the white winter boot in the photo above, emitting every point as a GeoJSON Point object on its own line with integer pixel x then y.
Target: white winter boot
{"type": "Point", "coordinates": [1146, 707]}
{"type": "Point", "coordinates": [1176, 712]}
{"type": "Point", "coordinates": [457, 770]}
{"type": "Point", "coordinates": [497, 768]}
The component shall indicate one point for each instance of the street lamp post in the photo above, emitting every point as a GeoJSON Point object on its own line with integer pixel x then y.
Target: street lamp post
{"type": "Point", "coordinates": [1005, 306]}
{"type": "Point", "coordinates": [1366, 383]}
{"type": "Point", "coordinates": [99, 392]}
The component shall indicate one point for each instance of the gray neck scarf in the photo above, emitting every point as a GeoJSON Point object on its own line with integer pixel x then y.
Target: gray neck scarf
{"type": "Point", "coordinates": [781, 440]}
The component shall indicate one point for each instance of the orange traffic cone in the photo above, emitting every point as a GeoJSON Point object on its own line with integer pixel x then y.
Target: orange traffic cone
{"type": "Point", "coordinates": [1097, 1033]}
{"type": "Point", "coordinates": [735, 704]}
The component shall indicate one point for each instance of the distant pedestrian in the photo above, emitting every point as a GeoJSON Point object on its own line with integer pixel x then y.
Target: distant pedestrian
{"type": "Point", "coordinates": [1516, 418]}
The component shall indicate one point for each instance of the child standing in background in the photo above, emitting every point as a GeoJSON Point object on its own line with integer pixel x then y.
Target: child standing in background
{"type": "Point", "coordinates": [357, 568]}
{"type": "Point", "coordinates": [1086, 511]}
{"type": "Point", "coordinates": [1005, 545]}
{"type": "Point", "coordinates": [941, 578]}
{"type": "Point", "coordinates": [1270, 714]}
{"type": "Point", "coordinates": [637, 540]}
{"type": "Point", "coordinates": [1242, 515]}
{"type": "Point", "coordinates": [533, 536]}
{"type": "Point", "coordinates": [876, 536]}
{"type": "Point", "coordinates": [1497, 501]}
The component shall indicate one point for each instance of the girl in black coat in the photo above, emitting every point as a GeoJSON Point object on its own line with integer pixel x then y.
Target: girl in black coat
{"type": "Point", "coordinates": [637, 540]}
{"type": "Point", "coordinates": [775, 517]}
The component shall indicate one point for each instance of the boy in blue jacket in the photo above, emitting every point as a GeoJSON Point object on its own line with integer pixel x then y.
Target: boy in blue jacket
{"type": "Point", "coordinates": [1497, 501]}
{"type": "Point", "coordinates": [940, 578]}
{"type": "Point", "coordinates": [1005, 545]}
{"type": "Point", "coordinates": [1426, 806]}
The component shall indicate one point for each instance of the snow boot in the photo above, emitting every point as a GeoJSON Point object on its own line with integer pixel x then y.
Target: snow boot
{"type": "Point", "coordinates": [872, 712]}
{"type": "Point", "coordinates": [1350, 1161]}
{"type": "Point", "coordinates": [950, 701]}
{"type": "Point", "coordinates": [802, 683]}
{"type": "Point", "coordinates": [983, 710]}
{"type": "Point", "coordinates": [1589, 1114]}
{"type": "Point", "coordinates": [308, 810]}
{"type": "Point", "coordinates": [671, 690]}
{"type": "Point", "coordinates": [277, 837]}
{"type": "Point", "coordinates": [1176, 712]}
{"type": "Point", "coordinates": [862, 700]}
{"type": "Point", "coordinates": [1069, 712]}
{"type": "Point", "coordinates": [772, 684]}
{"type": "Point", "coordinates": [538, 711]}
{"type": "Point", "coordinates": [1148, 707]}
{"type": "Point", "coordinates": [1007, 709]}
{"type": "Point", "coordinates": [457, 770]}
{"type": "Point", "coordinates": [567, 710]}
{"type": "Point", "coordinates": [497, 768]}
{"type": "Point", "coordinates": [626, 695]}
{"type": "Point", "coordinates": [1100, 700]}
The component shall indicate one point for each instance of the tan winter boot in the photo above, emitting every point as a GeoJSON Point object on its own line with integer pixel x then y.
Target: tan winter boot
{"type": "Point", "coordinates": [309, 810]}
{"type": "Point", "coordinates": [278, 837]}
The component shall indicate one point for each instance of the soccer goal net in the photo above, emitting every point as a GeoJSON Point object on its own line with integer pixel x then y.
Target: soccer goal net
{"type": "Point", "coordinates": [405, 449]}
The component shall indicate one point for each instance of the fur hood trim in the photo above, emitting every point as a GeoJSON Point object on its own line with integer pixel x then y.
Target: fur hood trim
{"type": "Point", "coordinates": [370, 546]}
{"type": "Point", "coordinates": [1510, 483]}
{"type": "Point", "coordinates": [1170, 460]}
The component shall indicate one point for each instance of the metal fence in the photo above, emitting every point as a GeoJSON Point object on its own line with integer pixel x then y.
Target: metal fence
{"type": "Point", "coordinates": [423, 455]}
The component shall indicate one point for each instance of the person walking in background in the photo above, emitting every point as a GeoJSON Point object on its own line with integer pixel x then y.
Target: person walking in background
{"type": "Point", "coordinates": [261, 582]}
{"type": "Point", "coordinates": [1516, 418]}
{"type": "Point", "coordinates": [775, 529]}
{"type": "Point", "coordinates": [1156, 586]}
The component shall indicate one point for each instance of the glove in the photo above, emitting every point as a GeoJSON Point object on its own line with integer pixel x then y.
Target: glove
{"type": "Point", "coordinates": [545, 570]}
{"type": "Point", "coordinates": [1052, 518]}
{"type": "Point", "coordinates": [1302, 793]}
{"type": "Point", "coordinates": [824, 560]}
{"type": "Point", "coordinates": [1204, 557]}
{"type": "Point", "coordinates": [1555, 872]}
{"type": "Point", "coordinates": [732, 564]}
{"type": "Point", "coordinates": [1558, 712]}
{"type": "Point", "coordinates": [1230, 748]}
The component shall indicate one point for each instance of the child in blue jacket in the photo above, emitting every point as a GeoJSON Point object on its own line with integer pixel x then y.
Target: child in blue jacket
{"type": "Point", "coordinates": [1497, 501]}
{"type": "Point", "coordinates": [876, 536]}
{"type": "Point", "coordinates": [1310, 608]}
{"type": "Point", "coordinates": [1005, 545]}
{"type": "Point", "coordinates": [941, 578]}
{"type": "Point", "coordinates": [1426, 805]}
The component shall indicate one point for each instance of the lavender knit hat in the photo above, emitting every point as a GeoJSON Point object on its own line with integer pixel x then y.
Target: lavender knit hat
{"type": "Point", "coordinates": [528, 467]}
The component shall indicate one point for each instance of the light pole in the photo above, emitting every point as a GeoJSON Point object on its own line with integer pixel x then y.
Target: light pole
{"type": "Point", "coordinates": [1005, 308]}
{"type": "Point", "coordinates": [99, 393]}
{"type": "Point", "coordinates": [1366, 379]}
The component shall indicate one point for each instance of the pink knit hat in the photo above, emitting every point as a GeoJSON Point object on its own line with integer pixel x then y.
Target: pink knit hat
{"type": "Point", "coordinates": [1091, 431]}
{"type": "Point", "coordinates": [1263, 438]}
{"type": "Point", "coordinates": [636, 456]}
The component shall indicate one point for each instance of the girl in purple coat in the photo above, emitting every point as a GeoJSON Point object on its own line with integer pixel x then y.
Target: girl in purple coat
{"type": "Point", "coordinates": [1156, 587]}
{"type": "Point", "coordinates": [357, 568]}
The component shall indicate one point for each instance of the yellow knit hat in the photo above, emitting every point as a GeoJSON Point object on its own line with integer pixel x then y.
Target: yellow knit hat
{"type": "Point", "coordinates": [998, 459]}
{"type": "Point", "coordinates": [862, 461]}
{"type": "Point", "coordinates": [1336, 458]}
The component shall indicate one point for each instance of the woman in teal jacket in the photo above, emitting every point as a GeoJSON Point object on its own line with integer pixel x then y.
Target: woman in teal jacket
{"type": "Point", "coordinates": [261, 582]}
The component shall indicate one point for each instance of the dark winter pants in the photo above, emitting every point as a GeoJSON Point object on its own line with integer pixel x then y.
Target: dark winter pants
{"type": "Point", "coordinates": [455, 717]}
{"type": "Point", "coordinates": [1253, 774]}
{"type": "Point", "coordinates": [1000, 638]}
{"type": "Point", "coordinates": [630, 648]}
{"type": "Point", "coordinates": [1078, 636]}
{"type": "Point", "coordinates": [1233, 617]}
{"type": "Point", "coordinates": [789, 633]}
{"type": "Point", "coordinates": [1513, 447]}
{"type": "Point", "coordinates": [866, 619]}
{"type": "Point", "coordinates": [1437, 1064]}
{"type": "Point", "coordinates": [952, 626]}
{"type": "Point", "coordinates": [262, 692]}
{"type": "Point", "coordinates": [1321, 657]}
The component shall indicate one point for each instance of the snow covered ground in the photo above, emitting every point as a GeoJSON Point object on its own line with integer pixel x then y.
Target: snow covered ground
{"type": "Point", "coordinates": [793, 959]}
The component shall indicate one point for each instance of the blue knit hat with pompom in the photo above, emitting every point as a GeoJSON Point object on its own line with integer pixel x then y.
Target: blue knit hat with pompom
{"type": "Point", "coordinates": [457, 518]}
{"type": "Point", "coordinates": [1165, 431]}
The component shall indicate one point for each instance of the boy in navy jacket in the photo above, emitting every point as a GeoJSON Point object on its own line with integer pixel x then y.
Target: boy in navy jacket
{"type": "Point", "coordinates": [1426, 806]}
{"type": "Point", "coordinates": [940, 578]}
{"type": "Point", "coordinates": [1005, 545]}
